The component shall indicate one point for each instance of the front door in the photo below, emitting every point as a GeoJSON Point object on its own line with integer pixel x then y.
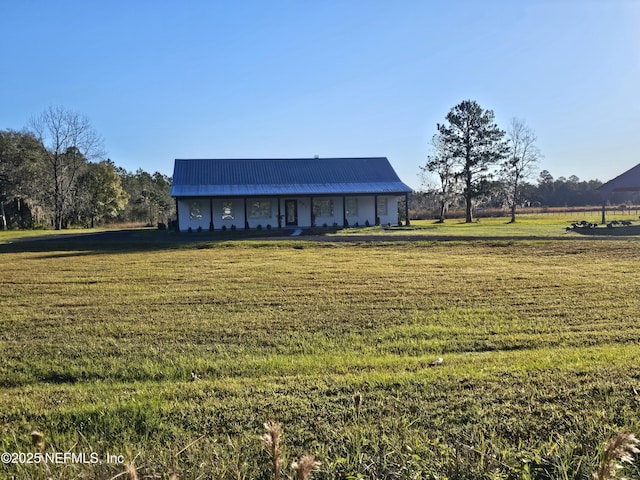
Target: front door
{"type": "Point", "coordinates": [291, 213]}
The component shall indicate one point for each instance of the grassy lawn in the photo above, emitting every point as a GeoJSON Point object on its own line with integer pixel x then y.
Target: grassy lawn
{"type": "Point", "coordinates": [526, 225]}
{"type": "Point", "coordinates": [173, 355]}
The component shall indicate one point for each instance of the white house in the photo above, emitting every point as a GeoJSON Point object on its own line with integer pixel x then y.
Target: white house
{"type": "Point", "coordinates": [220, 194]}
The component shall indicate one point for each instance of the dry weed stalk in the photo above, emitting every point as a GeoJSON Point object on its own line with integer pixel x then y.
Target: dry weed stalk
{"type": "Point", "coordinates": [621, 448]}
{"type": "Point", "coordinates": [271, 440]}
{"type": "Point", "coordinates": [304, 467]}
{"type": "Point", "coordinates": [357, 401]}
{"type": "Point", "coordinates": [131, 470]}
{"type": "Point", "coordinates": [37, 440]}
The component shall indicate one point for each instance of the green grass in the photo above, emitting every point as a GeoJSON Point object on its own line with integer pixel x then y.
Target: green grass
{"type": "Point", "coordinates": [527, 225]}
{"type": "Point", "coordinates": [174, 355]}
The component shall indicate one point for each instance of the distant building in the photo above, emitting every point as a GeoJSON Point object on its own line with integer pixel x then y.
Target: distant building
{"type": "Point", "coordinates": [217, 194]}
{"type": "Point", "coordinates": [628, 181]}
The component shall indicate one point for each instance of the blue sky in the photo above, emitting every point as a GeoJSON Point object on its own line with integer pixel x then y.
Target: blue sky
{"type": "Point", "coordinates": [161, 80]}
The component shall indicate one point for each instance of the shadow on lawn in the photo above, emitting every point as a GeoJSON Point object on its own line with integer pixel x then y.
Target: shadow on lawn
{"type": "Point", "coordinates": [131, 241]}
{"type": "Point", "coordinates": [149, 240]}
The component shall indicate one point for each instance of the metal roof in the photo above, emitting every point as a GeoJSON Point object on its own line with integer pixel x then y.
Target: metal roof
{"type": "Point", "coordinates": [628, 181]}
{"type": "Point", "coordinates": [294, 176]}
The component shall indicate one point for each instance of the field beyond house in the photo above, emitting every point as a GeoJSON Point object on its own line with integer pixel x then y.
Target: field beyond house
{"type": "Point", "coordinates": [171, 355]}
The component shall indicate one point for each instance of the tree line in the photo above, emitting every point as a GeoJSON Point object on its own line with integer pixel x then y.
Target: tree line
{"type": "Point", "coordinates": [478, 165]}
{"type": "Point", "coordinates": [540, 193]}
{"type": "Point", "coordinates": [54, 174]}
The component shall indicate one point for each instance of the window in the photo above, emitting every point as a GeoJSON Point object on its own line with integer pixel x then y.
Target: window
{"type": "Point", "coordinates": [323, 207]}
{"type": "Point", "coordinates": [352, 207]}
{"type": "Point", "coordinates": [227, 210]}
{"type": "Point", "coordinates": [260, 209]}
{"type": "Point", "coordinates": [195, 211]}
{"type": "Point", "coordinates": [382, 206]}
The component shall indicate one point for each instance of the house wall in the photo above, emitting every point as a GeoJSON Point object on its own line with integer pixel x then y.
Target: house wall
{"type": "Point", "coordinates": [365, 211]}
{"type": "Point", "coordinates": [198, 213]}
{"type": "Point", "coordinates": [262, 217]}
{"type": "Point", "coordinates": [333, 216]}
{"type": "Point", "coordinates": [392, 211]}
{"type": "Point", "coordinates": [193, 213]}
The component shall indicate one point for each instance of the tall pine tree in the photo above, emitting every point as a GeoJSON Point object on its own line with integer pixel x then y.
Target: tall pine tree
{"type": "Point", "coordinates": [474, 141]}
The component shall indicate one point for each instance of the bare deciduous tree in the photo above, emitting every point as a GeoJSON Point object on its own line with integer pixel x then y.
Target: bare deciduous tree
{"type": "Point", "coordinates": [441, 163]}
{"type": "Point", "coordinates": [68, 140]}
{"type": "Point", "coordinates": [520, 163]}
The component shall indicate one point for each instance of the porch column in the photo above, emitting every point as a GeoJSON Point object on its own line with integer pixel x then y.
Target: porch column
{"type": "Point", "coordinates": [376, 220]}
{"type": "Point", "coordinates": [177, 217]}
{"type": "Point", "coordinates": [345, 222]}
{"type": "Point", "coordinates": [313, 217]}
{"type": "Point", "coordinates": [279, 214]}
{"type": "Point", "coordinates": [211, 214]}
{"type": "Point", "coordinates": [246, 220]}
{"type": "Point", "coordinates": [406, 208]}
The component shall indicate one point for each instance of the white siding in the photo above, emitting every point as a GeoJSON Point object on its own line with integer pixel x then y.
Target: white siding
{"type": "Point", "coordinates": [330, 219]}
{"type": "Point", "coordinates": [237, 212]}
{"type": "Point", "coordinates": [270, 218]}
{"type": "Point", "coordinates": [392, 211]}
{"type": "Point", "coordinates": [188, 216]}
{"type": "Point", "coordinates": [196, 213]}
